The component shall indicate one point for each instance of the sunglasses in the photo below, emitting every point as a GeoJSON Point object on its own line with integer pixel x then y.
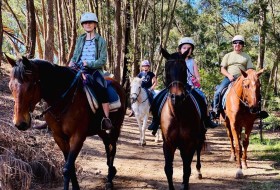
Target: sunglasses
{"type": "Point", "coordinates": [88, 22]}
{"type": "Point", "coordinates": [238, 42]}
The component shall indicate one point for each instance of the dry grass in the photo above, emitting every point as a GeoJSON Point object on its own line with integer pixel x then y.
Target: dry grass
{"type": "Point", "coordinates": [27, 159]}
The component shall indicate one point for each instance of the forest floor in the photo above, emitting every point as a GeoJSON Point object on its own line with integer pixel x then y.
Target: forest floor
{"type": "Point", "coordinates": [143, 167]}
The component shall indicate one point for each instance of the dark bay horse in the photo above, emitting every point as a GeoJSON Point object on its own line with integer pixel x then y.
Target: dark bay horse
{"type": "Point", "coordinates": [180, 120]}
{"type": "Point", "coordinates": [70, 117]}
{"type": "Point", "coordinates": [242, 105]}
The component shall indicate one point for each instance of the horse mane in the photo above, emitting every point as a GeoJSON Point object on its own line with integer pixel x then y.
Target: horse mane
{"type": "Point", "coordinates": [175, 69]}
{"type": "Point", "coordinates": [51, 76]}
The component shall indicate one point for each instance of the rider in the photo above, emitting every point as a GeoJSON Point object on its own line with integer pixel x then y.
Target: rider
{"type": "Point", "coordinates": [193, 77]}
{"type": "Point", "coordinates": [90, 56]}
{"type": "Point", "coordinates": [150, 81]}
{"type": "Point", "coordinates": [230, 67]}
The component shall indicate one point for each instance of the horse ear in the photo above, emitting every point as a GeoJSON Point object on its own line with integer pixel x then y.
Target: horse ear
{"type": "Point", "coordinates": [260, 72]}
{"type": "Point", "coordinates": [185, 54]}
{"type": "Point", "coordinates": [26, 63]}
{"type": "Point", "coordinates": [165, 53]}
{"type": "Point", "coordinates": [10, 60]}
{"type": "Point", "coordinates": [243, 73]}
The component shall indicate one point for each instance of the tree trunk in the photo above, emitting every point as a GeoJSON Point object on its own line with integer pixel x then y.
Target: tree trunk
{"type": "Point", "coordinates": [31, 29]}
{"type": "Point", "coordinates": [49, 40]}
{"type": "Point", "coordinates": [262, 32]}
{"type": "Point", "coordinates": [1, 33]}
{"type": "Point", "coordinates": [127, 25]}
{"type": "Point", "coordinates": [109, 38]}
{"type": "Point", "coordinates": [62, 59]}
{"type": "Point", "coordinates": [73, 30]}
{"type": "Point", "coordinates": [118, 40]}
{"type": "Point", "coordinates": [167, 32]}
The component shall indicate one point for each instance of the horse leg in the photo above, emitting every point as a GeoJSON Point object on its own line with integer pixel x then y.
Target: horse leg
{"type": "Point", "coordinates": [69, 170]}
{"type": "Point", "coordinates": [238, 150]}
{"type": "Point", "coordinates": [245, 146]}
{"type": "Point", "coordinates": [187, 160]}
{"type": "Point", "coordinates": [198, 164]}
{"type": "Point", "coordinates": [140, 129]}
{"type": "Point", "coordinates": [158, 134]}
{"type": "Point", "coordinates": [232, 149]}
{"type": "Point", "coordinates": [110, 147]}
{"type": "Point", "coordinates": [64, 147]}
{"type": "Point", "coordinates": [144, 127]}
{"type": "Point", "coordinates": [168, 168]}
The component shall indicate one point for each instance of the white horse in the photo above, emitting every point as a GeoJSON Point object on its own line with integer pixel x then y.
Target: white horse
{"type": "Point", "coordinates": [140, 106]}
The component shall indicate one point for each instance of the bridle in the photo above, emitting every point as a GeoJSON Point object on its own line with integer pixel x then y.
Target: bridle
{"type": "Point", "coordinates": [133, 100]}
{"type": "Point", "coordinates": [240, 98]}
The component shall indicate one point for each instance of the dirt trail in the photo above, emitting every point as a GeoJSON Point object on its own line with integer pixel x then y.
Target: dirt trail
{"type": "Point", "coordinates": [142, 167]}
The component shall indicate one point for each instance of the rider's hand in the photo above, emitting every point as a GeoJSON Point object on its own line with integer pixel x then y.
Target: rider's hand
{"type": "Point", "coordinates": [71, 64]}
{"type": "Point", "coordinates": [231, 78]}
{"type": "Point", "coordinates": [85, 63]}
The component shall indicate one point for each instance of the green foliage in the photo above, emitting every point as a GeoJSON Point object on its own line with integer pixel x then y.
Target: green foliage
{"type": "Point", "coordinates": [268, 149]}
{"type": "Point", "coordinates": [268, 185]}
{"type": "Point", "coordinates": [273, 122]}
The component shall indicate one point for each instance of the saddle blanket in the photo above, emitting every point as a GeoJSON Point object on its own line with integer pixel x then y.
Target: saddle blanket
{"type": "Point", "coordinates": [114, 99]}
{"type": "Point", "coordinates": [224, 98]}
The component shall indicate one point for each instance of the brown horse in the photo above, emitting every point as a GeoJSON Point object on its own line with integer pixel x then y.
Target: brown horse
{"type": "Point", "coordinates": [69, 116]}
{"type": "Point", "coordinates": [242, 105]}
{"type": "Point", "coordinates": [180, 120]}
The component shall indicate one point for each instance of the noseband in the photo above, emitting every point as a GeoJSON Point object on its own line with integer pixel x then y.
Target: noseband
{"type": "Point", "coordinates": [245, 103]}
{"type": "Point", "coordinates": [133, 100]}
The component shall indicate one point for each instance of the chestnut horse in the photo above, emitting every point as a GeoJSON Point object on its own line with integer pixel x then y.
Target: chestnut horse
{"type": "Point", "coordinates": [69, 115]}
{"type": "Point", "coordinates": [180, 120]}
{"type": "Point", "coordinates": [241, 109]}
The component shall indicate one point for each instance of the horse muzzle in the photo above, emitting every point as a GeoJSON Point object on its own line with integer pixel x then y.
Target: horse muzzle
{"type": "Point", "coordinates": [133, 100]}
{"type": "Point", "coordinates": [23, 125]}
{"type": "Point", "coordinates": [254, 110]}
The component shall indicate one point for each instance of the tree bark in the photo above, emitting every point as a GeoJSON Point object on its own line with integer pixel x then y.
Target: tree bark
{"type": "Point", "coordinates": [31, 29]}
{"type": "Point", "coordinates": [49, 40]}
{"type": "Point", "coordinates": [118, 40]}
{"type": "Point", "coordinates": [127, 25]}
{"type": "Point", "coordinates": [262, 32]}
{"type": "Point", "coordinates": [1, 33]}
{"type": "Point", "coordinates": [62, 59]}
{"type": "Point", "coordinates": [73, 29]}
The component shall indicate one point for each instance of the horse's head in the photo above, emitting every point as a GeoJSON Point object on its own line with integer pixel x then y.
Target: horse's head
{"type": "Point", "coordinates": [251, 88]}
{"type": "Point", "coordinates": [24, 85]}
{"type": "Point", "coordinates": [135, 88]}
{"type": "Point", "coordinates": [175, 71]}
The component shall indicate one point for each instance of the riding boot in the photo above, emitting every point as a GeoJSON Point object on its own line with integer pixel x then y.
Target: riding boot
{"type": "Point", "coordinates": [154, 126]}
{"type": "Point", "coordinates": [106, 124]}
{"type": "Point", "coordinates": [209, 124]}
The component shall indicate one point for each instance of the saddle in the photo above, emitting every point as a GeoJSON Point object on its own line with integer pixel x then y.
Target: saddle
{"type": "Point", "coordinates": [113, 97]}
{"type": "Point", "coordinates": [161, 98]}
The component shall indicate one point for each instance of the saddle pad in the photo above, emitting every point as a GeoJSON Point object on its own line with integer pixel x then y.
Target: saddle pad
{"type": "Point", "coordinates": [91, 98]}
{"type": "Point", "coordinates": [224, 98]}
{"type": "Point", "coordinates": [188, 93]}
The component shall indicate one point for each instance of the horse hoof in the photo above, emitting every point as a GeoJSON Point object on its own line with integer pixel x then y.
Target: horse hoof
{"type": "Point", "coordinates": [239, 174]}
{"type": "Point", "coordinates": [199, 176]}
{"type": "Point", "coordinates": [108, 186]}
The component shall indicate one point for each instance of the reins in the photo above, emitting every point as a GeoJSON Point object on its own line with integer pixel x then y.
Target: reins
{"type": "Point", "coordinates": [137, 95]}
{"type": "Point", "coordinates": [63, 96]}
{"type": "Point", "coordinates": [243, 102]}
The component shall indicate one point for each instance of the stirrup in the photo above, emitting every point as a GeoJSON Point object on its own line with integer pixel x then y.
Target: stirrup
{"type": "Point", "coordinates": [106, 124]}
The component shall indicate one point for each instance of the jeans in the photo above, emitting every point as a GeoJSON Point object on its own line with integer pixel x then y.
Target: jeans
{"type": "Point", "coordinates": [225, 82]}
